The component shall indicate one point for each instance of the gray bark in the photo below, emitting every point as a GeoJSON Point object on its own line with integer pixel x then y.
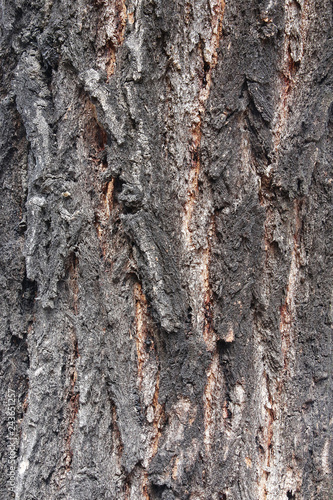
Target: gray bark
{"type": "Point", "coordinates": [166, 249]}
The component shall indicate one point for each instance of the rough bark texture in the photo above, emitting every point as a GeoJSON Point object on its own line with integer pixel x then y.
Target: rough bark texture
{"type": "Point", "coordinates": [166, 248]}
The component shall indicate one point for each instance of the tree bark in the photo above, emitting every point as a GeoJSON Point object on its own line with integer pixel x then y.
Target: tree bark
{"type": "Point", "coordinates": [166, 260]}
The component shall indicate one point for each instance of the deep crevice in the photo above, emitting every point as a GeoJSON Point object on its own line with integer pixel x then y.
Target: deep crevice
{"type": "Point", "coordinates": [206, 69]}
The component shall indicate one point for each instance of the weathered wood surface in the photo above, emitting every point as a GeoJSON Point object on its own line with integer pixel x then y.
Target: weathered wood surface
{"type": "Point", "coordinates": [166, 260]}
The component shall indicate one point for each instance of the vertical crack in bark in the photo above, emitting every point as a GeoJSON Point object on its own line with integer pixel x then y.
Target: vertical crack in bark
{"type": "Point", "coordinates": [267, 437]}
{"type": "Point", "coordinates": [117, 445]}
{"type": "Point", "coordinates": [148, 380]}
{"type": "Point", "coordinates": [141, 330]}
{"type": "Point", "coordinates": [273, 392]}
{"type": "Point", "coordinates": [201, 266]}
{"type": "Point", "coordinates": [73, 397]}
{"type": "Point", "coordinates": [292, 56]}
{"type": "Point", "coordinates": [212, 386]}
{"type": "Point", "coordinates": [202, 259]}
{"type": "Point", "coordinates": [208, 332]}
{"type": "Point", "coordinates": [110, 33]}
{"type": "Point", "coordinates": [29, 290]}
{"type": "Point", "coordinates": [95, 139]}
{"type": "Point", "coordinates": [209, 62]}
{"type": "Point", "coordinates": [145, 486]}
{"type": "Point", "coordinates": [287, 310]}
{"type": "Point", "coordinates": [158, 418]}
{"type": "Point", "coordinates": [103, 213]}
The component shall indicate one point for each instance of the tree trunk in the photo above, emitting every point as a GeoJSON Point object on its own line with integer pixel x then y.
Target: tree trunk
{"type": "Point", "coordinates": [166, 192]}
